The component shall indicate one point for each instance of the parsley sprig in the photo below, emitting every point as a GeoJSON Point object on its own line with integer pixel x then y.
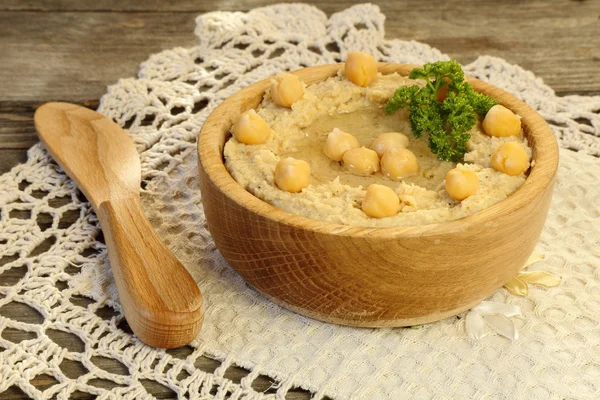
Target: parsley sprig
{"type": "Point", "coordinates": [447, 121]}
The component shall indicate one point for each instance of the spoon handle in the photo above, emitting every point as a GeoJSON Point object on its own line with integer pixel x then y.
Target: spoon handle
{"type": "Point", "coordinates": [161, 301]}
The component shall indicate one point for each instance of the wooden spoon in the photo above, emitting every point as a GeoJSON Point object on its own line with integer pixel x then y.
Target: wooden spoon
{"type": "Point", "coordinates": [161, 301]}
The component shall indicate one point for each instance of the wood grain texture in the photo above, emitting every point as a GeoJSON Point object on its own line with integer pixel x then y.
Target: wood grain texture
{"type": "Point", "coordinates": [16, 122]}
{"type": "Point", "coordinates": [94, 43]}
{"type": "Point", "coordinates": [372, 277]}
{"type": "Point", "coordinates": [84, 53]}
{"type": "Point", "coordinates": [161, 301]}
{"type": "Point", "coordinates": [11, 157]}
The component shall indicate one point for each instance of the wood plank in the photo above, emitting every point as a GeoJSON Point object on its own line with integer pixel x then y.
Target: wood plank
{"type": "Point", "coordinates": [85, 52]}
{"type": "Point", "coordinates": [328, 6]}
{"type": "Point", "coordinates": [17, 130]}
{"type": "Point", "coordinates": [89, 50]}
{"type": "Point", "coordinates": [151, 5]}
{"type": "Point", "coordinates": [11, 157]}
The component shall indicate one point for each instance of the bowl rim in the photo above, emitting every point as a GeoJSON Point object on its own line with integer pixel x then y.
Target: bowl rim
{"type": "Point", "coordinates": [218, 123]}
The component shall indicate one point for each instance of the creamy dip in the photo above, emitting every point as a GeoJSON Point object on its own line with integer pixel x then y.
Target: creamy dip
{"type": "Point", "coordinates": [334, 194]}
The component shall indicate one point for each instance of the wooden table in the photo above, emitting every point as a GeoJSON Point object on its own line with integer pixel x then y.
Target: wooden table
{"type": "Point", "coordinates": [71, 50]}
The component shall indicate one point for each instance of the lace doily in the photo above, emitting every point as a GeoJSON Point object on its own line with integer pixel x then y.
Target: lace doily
{"type": "Point", "coordinates": [557, 355]}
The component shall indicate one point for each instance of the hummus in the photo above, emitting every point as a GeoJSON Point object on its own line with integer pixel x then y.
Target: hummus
{"type": "Point", "coordinates": [334, 194]}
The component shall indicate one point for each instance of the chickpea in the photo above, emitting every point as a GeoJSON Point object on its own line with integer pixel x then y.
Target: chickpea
{"type": "Point", "coordinates": [500, 121]}
{"type": "Point", "coordinates": [339, 142]}
{"type": "Point", "coordinates": [510, 158]}
{"type": "Point", "coordinates": [286, 89]}
{"type": "Point", "coordinates": [360, 68]}
{"type": "Point", "coordinates": [399, 163]}
{"type": "Point", "coordinates": [443, 91]}
{"type": "Point", "coordinates": [361, 161]}
{"type": "Point", "coordinates": [292, 175]}
{"type": "Point", "coordinates": [380, 202]}
{"type": "Point", "coordinates": [388, 141]}
{"type": "Point", "coordinates": [250, 128]}
{"type": "Point", "coordinates": [461, 183]}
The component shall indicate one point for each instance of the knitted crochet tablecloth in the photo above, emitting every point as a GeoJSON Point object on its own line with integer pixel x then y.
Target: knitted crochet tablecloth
{"type": "Point", "coordinates": [556, 356]}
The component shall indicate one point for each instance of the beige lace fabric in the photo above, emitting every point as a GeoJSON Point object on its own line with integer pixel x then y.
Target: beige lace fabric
{"type": "Point", "coordinates": [556, 356]}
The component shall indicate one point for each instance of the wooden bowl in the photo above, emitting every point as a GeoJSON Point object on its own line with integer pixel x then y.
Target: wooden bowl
{"type": "Point", "coordinates": [372, 277]}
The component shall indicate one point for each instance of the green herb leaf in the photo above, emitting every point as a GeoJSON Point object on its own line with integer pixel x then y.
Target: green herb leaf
{"type": "Point", "coordinates": [447, 122]}
{"type": "Point", "coordinates": [400, 99]}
